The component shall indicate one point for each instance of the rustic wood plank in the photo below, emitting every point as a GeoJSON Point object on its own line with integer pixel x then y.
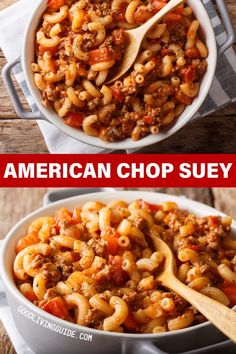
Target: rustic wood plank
{"type": "Point", "coordinates": [211, 135]}
{"type": "Point", "coordinates": [16, 203]}
{"type": "Point", "coordinates": [6, 108]}
{"type": "Point", "coordinates": [6, 3]}
{"type": "Point", "coordinates": [203, 195]}
{"type": "Point", "coordinates": [5, 344]}
{"type": "Point", "coordinates": [224, 199]}
{"type": "Point", "coordinates": [232, 10]}
{"type": "Point", "coordinates": [21, 136]}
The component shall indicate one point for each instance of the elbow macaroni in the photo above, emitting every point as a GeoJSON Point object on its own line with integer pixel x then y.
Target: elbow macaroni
{"type": "Point", "coordinates": [98, 264]}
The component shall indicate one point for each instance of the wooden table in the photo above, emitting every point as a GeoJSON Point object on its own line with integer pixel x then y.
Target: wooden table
{"type": "Point", "coordinates": [17, 203]}
{"type": "Point", "coordinates": [213, 134]}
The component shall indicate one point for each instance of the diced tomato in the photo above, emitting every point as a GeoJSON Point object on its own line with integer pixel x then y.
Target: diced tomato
{"type": "Point", "coordinates": [176, 25]}
{"type": "Point", "coordinates": [193, 247]}
{"type": "Point", "coordinates": [57, 307]}
{"type": "Point", "coordinates": [148, 119]}
{"type": "Point", "coordinates": [52, 50]}
{"type": "Point", "coordinates": [117, 94]}
{"type": "Point", "coordinates": [158, 4]}
{"type": "Point", "coordinates": [26, 241]}
{"type": "Point", "coordinates": [118, 275]}
{"type": "Point", "coordinates": [30, 295]}
{"type": "Point", "coordinates": [82, 70]}
{"type": "Point", "coordinates": [120, 15]}
{"type": "Point", "coordinates": [192, 53]}
{"type": "Point", "coordinates": [173, 17]}
{"type": "Point", "coordinates": [179, 9]}
{"type": "Point", "coordinates": [100, 55]}
{"type": "Point", "coordinates": [118, 37]}
{"type": "Point", "coordinates": [111, 236]}
{"type": "Point", "coordinates": [141, 15]}
{"type": "Point", "coordinates": [214, 221]}
{"type": "Point", "coordinates": [189, 73]}
{"type": "Point", "coordinates": [130, 323]}
{"type": "Point", "coordinates": [166, 51]}
{"type": "Point", "coordinates": [56, 4]}
{"type": "Point", "coordinates": [151, 207]}
{"type": "Point", "coordinates": [63, 214]}
{"type": "Point", "coordinates": [74, 120]}
{"type": "Point", "coordinates": [230, 291]}
{"type": "Point", "coordinates": [181, 97]}
{"type": "Point", "coordinates": [112, 245]}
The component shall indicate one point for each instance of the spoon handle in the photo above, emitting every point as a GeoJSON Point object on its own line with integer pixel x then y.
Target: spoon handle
{"type": "Point", "coordinates": [220, 315]}
{"type": "Point", "coordinates": [169, 7]}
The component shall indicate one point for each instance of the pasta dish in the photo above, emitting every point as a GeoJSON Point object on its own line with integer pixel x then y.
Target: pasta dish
{"type": "Point", "coordinates": [96, 266]}
{"type": "Point", "coordinates": [79, 46]}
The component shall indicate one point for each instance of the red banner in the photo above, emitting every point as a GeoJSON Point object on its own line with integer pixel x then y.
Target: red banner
{"type": "Point", "coordinates": [118, 170]}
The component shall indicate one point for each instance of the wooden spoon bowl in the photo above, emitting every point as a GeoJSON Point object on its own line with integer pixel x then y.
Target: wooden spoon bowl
{"type": "Point", "coordinates": [137, 35]}
{"type": "Point", "coordinates": [220, 315]}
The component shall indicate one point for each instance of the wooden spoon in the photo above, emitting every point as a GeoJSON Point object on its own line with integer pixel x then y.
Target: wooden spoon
{"type": "Point", "coordinates": [137, 35]}
{"type": "Point", "coordinates": [220, 315]}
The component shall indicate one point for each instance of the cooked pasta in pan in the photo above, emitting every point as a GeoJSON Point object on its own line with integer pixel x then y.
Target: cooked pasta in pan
{"type": "Point", "coordinates": [96, 266]}
{"type": "Point", "coordinates": [79, 47]}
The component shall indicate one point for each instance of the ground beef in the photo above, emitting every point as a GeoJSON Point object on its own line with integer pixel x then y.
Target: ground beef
{"type": "Point", "coordinates": [51, 273]}
{"type": "Point", "coordinates": [130, 296]}
{"type": "Point", "coordinates": [177, 30]}
{"type": "Point", "coordinates": [39, 261]}
{"type": "Point", "coordinates": [114, 133]}
{"type": "Point", "coordinates": [200, 66]}
{"type": "Point", "coordinates": [127, 126]}
{"type": "Point", "coordinates": [93, 105]}
{"type": "Point", "coordinates": [89, 41]}
{"type": "Point", "coordinates": [98, 246]}
{"type": "Point", "coordinates": [140, 223]}
{"type": "Point", "coordinates": [71, 230]}
{"type": "Point", "coordinates": [94, 318]}
{"type": "Point", "coordinates": [65, 262]}
{"type": "Point", "coordinates": [51, 93]}
{"type": "Point", "coordinates": [50, 294]}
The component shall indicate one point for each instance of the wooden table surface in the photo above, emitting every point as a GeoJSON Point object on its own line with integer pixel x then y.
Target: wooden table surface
{"type": "Point", "coordinates": [17, 203]}
{"type": "Point", "coordinates": [212, 134]}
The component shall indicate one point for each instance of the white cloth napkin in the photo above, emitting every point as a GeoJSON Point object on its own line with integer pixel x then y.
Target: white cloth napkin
{"type": "Point", "coordinates": [6, 317]}
{"type": "Point", "coordinates": [12, 25]}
